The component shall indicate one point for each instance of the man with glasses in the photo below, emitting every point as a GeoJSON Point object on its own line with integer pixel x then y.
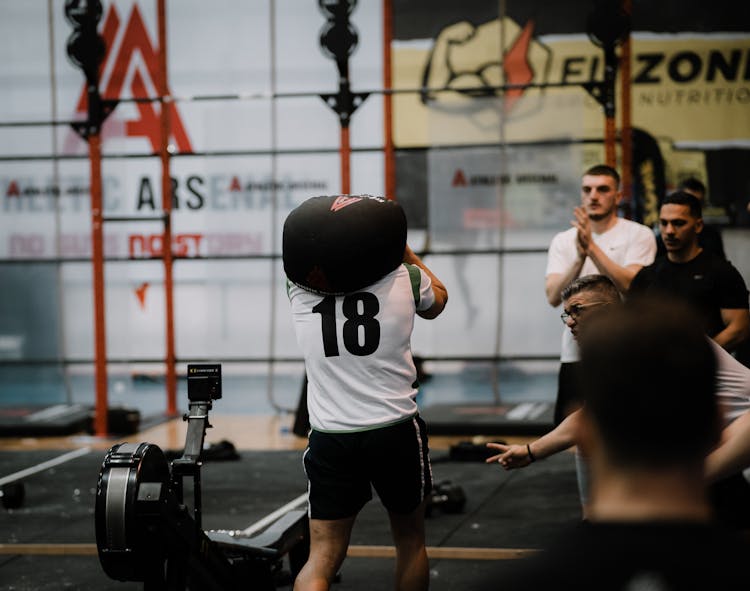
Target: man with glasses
{"type": "Point", "coordinates": [583, 297]}
{"type": "Point", "coordinates": [572, 313]}
{"type": "Point", "coordinates": [599, 242]}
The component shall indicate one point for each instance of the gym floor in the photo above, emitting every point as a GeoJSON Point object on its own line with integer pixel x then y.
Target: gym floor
{"type": "Point", "coordinates": [49, 542]}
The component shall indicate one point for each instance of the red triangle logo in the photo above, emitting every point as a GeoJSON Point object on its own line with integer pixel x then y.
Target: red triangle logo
{"type": "Point", "coordinates": [140, 293]}
{"type": "Point", "coordinates": [342, 201]}
{"type": "Point", "coordinates": [13, 190]}
{"type": "Point", "coordinates": [138, 57]}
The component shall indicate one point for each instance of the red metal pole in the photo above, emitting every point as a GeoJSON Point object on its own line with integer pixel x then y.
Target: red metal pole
{"type": "Point", "coordinates": [166, 192]}
{"type": "Point", "coordinates": [390, 167]}
{"type": "Point", "coordinates": [97, 251]}
{"type": "Point", "coordinates": [345, 152]}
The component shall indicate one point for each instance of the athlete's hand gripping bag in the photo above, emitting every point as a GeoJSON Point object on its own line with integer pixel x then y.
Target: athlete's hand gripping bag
{"type": "Point", "coordinates": [342, 243]}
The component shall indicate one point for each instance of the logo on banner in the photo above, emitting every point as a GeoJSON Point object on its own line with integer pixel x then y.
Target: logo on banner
{"type": "Point", "coordinates": [131, 69]}
{"type": "Point", "coordinates": [464, 60]}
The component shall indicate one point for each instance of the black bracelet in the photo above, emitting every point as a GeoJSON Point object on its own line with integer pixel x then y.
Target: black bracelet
{"type": "Point", "coordinates": [531, 455]}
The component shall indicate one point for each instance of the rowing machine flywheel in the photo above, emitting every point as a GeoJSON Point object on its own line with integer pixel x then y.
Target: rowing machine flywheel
{"type": "Point", "coordinates": [132, 487]}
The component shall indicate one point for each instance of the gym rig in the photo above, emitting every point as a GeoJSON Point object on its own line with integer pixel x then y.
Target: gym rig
{"type": "Point", "coordinates": [146, 532]}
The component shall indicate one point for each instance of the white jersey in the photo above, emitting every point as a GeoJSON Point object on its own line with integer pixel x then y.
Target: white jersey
{"type": "Point", "coordinates": [357, 350]}
{"type": "Point", "coordinates": [625, 243]}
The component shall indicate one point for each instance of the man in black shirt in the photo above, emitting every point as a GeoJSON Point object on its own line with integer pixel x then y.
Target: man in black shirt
{"type": "Point", "coordinates": [710, 284]}
{"type": "Point", "coordinates": [715, 290]}
{"type": "Point", "coordinates": [710, 237]}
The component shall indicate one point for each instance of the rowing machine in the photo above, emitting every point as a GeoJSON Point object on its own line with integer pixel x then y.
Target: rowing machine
{"type": "Point", "coordinates": [146, 532]}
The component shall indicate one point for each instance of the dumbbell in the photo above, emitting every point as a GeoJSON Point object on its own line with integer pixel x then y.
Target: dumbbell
{"type": "Point", "coordinates": [447, 497]}
{"type": "Point", "coordinates": [12, 495]}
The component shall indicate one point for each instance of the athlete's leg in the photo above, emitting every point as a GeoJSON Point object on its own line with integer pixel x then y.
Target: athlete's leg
{"type": "Point", "coordinates": [329, 540]}
{"type": "Point", "coordinates": [412, 568]}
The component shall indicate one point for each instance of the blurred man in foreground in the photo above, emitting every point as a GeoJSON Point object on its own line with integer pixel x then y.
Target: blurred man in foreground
{"type": "Point", "coordinates": [649, 419]}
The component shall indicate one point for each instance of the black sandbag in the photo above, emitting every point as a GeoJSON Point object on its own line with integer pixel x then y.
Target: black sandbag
{"type": "Point", "coordinates": [337, 244]}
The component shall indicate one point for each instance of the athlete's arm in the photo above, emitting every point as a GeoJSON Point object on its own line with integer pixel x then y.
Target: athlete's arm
{"type": "Point", "coordinates": [441, 294]}
{"type": "Point", "coordinates": [733, 453]}
{"type": "Point", "coordinates": [557, 440]}
{"type": "Point", "coordinates": [736, 327]}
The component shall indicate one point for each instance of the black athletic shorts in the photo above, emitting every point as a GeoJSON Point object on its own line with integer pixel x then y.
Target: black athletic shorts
{"type": "Point", "coordinates": [341, 467]}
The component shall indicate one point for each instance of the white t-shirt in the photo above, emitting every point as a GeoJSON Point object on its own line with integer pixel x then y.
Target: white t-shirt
{"type": "Point", "coordinates": [732, 384]}
{"type": "Point", "coordinates": [625, 243]}
{"type": "Point", "coordinates": [357, 350]}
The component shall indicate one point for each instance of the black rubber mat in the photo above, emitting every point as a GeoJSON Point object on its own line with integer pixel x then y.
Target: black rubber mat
{"type": "Point", "coordinates": [44, 421]}
{"type": "Point", "coordinates": [59, 420]}
{"type": "Point", "coordinates": [524, 418]}
{"type": "Point", "coordinates": [519, 509]}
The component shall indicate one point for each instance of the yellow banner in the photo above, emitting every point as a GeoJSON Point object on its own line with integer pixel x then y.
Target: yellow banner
{"type": "Point", "coordinates": [686, 88]}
